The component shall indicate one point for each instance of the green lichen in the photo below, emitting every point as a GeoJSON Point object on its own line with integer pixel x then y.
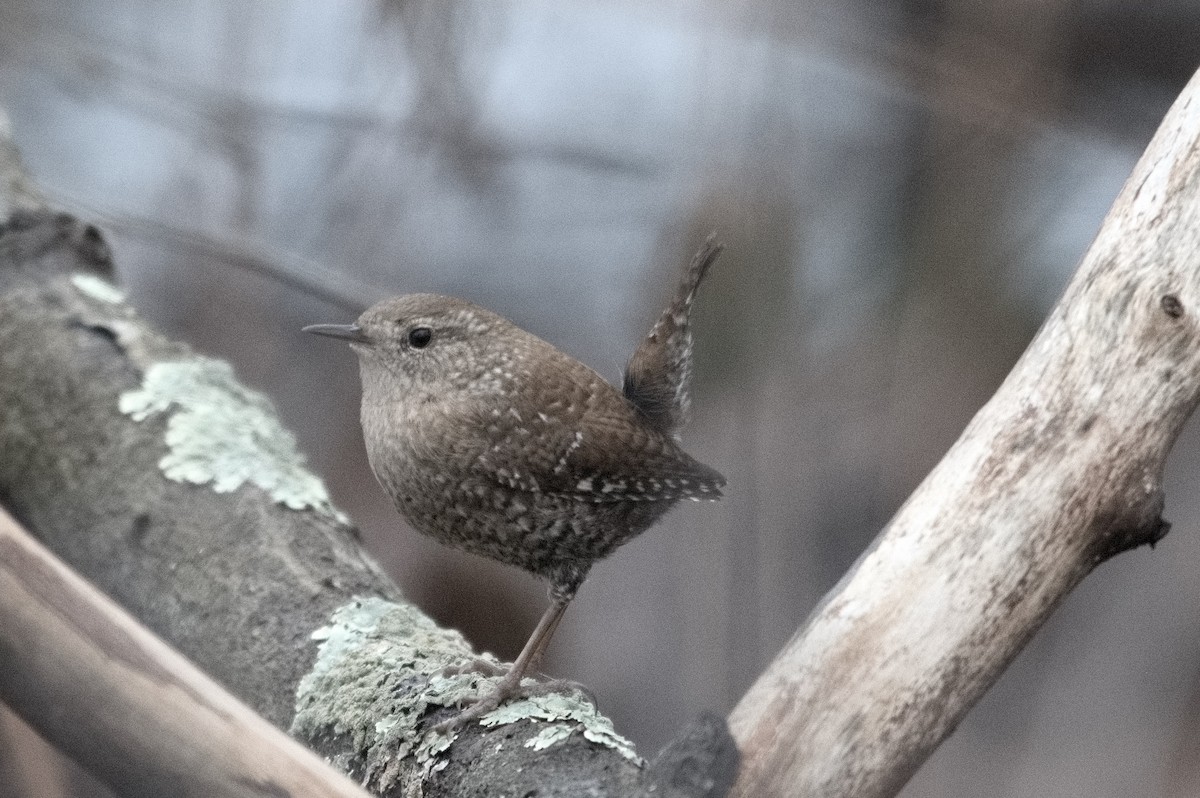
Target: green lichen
{"type": "Point", "coordinates": [98, 288]}
{"type": "Point", "coordinates": [222, 434]}
{"type": "Point", "coordinates": [379, 671]}
{"type": "Point", "coordinates": [559, 708]}
{"type": "Point", "coordinates": [548, 737]}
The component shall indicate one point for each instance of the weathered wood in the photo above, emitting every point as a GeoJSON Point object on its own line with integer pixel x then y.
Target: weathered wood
{"type": "Point", "coordinates": [101, 683]}
{"type": "Point", "coordinates": [1060, 470]}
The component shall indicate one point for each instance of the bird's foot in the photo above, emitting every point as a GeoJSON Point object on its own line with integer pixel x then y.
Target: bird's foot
{"type": "Point", "coordinates": [482, 706]}
{"type": "Point", "coordinates": [508, 689]}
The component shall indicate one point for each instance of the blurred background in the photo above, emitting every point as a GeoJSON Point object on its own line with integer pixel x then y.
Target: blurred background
{"type": "Point", "coordinates": [904, 188]}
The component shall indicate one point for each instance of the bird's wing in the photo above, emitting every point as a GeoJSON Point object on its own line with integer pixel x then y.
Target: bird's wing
{"type": "Point", "coordinates": [585, 440]}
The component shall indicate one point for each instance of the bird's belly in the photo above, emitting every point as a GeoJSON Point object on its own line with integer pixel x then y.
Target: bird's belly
{"type": "Point", "coordinates": [546, 534]}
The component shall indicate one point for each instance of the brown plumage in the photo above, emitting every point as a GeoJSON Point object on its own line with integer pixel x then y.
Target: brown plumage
{"type": "Point", "coordinates": [491, 440]}
{"type": "Point", "coordinates": [658, 379]}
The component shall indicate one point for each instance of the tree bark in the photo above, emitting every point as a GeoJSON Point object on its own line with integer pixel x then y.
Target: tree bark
{"type": "Point", "coordinates": [1060, 470]}
{"type": "Point", "coordinates": [153, 473]}
{"type": "Point", "coordinates": [121, 695]}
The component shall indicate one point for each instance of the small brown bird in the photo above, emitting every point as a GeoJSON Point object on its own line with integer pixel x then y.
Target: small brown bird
{"type": "Point", "coordinates": [491, 440]}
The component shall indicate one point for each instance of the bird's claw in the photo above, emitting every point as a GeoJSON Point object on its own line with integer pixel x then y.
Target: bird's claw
{"type": "Point", "coordinates": [475, 711]}
{"type": "Point", "coordinates": [505, 691]}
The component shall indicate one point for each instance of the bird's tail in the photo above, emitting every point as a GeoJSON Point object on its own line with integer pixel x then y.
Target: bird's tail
{"type": "Point", "coordinates": [659, 375]}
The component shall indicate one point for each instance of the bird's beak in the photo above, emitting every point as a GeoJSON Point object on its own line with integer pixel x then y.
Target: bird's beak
{"type": "Point", "coordinates": [347, 332]}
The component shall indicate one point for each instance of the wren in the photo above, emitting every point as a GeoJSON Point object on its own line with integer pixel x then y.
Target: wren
{"type": "Point", "coordinates": [491, 440]}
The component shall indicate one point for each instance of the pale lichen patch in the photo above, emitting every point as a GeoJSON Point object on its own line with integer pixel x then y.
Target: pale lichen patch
{"type": "Point", "coordinates": [548, 737]}
{"type": "Point", "coordinates": [379, 671]}
{"type": "Point", "coordinates": [98, 288]}
{"type": "Point", "coordinates": [376, 675]}
{"type": "Point", "coordinates": [563, 709]}
{"type": "Point", "coordinates": [220, 433]}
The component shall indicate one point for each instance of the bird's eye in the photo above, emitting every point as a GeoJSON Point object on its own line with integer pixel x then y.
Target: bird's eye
{"type": "Point", "coordinates": [419, 337]}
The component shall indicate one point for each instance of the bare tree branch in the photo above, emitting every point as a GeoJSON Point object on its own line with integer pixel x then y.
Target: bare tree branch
{"type": "Point", "coordinates": [1059, 471]}
{"type": "Point", "coordinates": [129, 698]}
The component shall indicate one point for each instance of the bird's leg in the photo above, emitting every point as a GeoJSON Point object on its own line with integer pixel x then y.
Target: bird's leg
{"type": "Point", "coordinates": [564, 594]}
{"type": "Point", "coordinates": [510, 685]}
{"type": "Point", "coordinates": [527, 661]}
{"type": "Point", "coordinates": [539, 641]}
{"type": "Point", "coordinates": [485, 667]}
